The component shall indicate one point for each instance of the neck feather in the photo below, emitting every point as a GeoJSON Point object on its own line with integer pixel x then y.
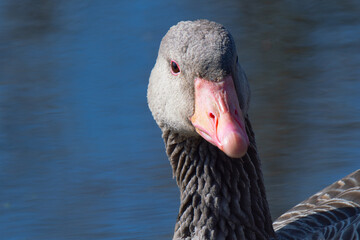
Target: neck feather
{"type": "Point", "coordinates": [221, 197]}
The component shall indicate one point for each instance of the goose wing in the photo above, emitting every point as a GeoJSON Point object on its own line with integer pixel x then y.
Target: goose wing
{"type": "Point", "coordinates": [333, 213]}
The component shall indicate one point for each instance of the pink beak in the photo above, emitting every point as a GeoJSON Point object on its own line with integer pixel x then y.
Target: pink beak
{"type": "Point", "coordinates": [218, 117]}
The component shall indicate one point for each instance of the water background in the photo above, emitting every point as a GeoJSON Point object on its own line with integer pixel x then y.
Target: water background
{"type": "Point", "coordinates": [82, 158]}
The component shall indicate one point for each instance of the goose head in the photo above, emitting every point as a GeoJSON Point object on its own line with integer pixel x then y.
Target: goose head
{"type": "Point", "coordinates": [197, 88]}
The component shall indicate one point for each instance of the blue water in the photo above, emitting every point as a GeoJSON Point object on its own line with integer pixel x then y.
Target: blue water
{"type": "Point", "coordinates": [82, 158]}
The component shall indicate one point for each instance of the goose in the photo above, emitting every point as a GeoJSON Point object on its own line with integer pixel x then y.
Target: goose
{"type": "Point", "coordinates": [199, 96]}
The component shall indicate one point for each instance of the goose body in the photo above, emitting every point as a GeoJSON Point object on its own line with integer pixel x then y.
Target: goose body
{"type": "Point", "coordinates": [199, 96]}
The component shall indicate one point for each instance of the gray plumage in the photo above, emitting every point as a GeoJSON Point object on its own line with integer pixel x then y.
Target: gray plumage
{"type": "Point", "coordinates": [333, 213]}
{"type": "Point", "coordinates": [221, 197]}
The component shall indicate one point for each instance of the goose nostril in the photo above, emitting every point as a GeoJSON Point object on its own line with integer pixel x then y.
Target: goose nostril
{"type": "Point", "coordinates": [236, 112]}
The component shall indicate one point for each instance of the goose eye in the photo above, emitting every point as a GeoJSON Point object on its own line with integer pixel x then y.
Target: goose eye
{"type": "Point", "coordinates": [175, 70]}
{"type": "Point", "coordinates": [237, 59]}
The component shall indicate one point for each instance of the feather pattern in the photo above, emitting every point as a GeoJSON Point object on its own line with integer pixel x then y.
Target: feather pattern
{"type": "Point", "coordinates": [221, 197]}
{"type": "Point", "coordinates": [333, 213]}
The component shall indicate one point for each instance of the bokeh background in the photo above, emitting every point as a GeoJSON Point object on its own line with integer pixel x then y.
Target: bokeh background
{"type": "Point", "coordinates": [82, 158]}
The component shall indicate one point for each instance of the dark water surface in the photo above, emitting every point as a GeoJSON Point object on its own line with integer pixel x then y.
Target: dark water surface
{"type": "Point", "coordinates": [82, 158]}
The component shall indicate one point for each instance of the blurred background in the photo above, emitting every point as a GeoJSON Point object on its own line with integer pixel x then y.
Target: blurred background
{"type": "Point", "coordinates": [81, 156]}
